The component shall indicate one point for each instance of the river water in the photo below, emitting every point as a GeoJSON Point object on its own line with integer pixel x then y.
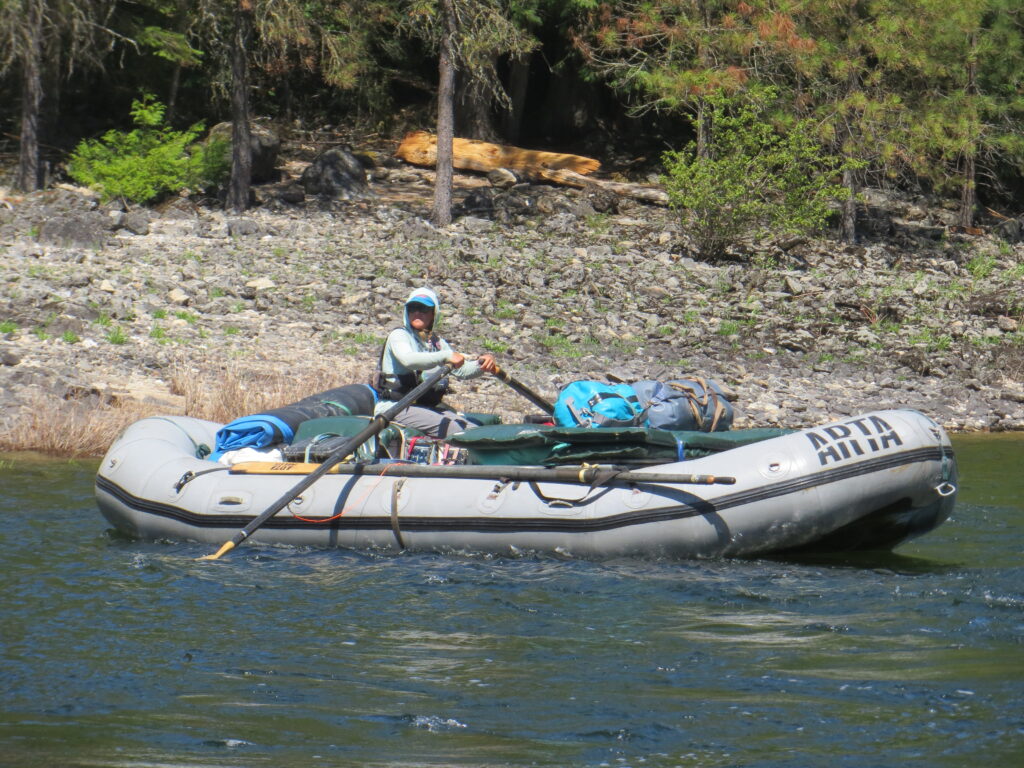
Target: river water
{"type": "Point", "coordinates": [123, 653]}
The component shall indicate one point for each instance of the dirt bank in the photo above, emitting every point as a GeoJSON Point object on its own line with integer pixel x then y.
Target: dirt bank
{"type": "Point", "coordinates": [96, 299]}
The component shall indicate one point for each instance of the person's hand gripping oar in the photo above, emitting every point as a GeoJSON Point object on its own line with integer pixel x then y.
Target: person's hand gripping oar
{"type": "Point", "coordinates": [376, 426]}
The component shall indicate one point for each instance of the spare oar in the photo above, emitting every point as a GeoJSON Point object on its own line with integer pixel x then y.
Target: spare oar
{"type": "Point", "coordinates": [586, 473]}
{"type": "Point", "coordinates": [525, 391]}
{"type": "Point", "coordinates": [376, 426]}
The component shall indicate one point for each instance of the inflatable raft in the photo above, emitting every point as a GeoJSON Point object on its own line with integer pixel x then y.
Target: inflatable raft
{"type": "Point", "coordinates": [867, 482]}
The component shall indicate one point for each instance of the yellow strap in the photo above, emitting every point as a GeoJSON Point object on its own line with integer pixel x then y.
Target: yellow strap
{"type": "Point", "coordinates": [276, 468]}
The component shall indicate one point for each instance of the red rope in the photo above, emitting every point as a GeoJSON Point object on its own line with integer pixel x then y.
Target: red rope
{"type": "Point", "coordinates": [364, 497]}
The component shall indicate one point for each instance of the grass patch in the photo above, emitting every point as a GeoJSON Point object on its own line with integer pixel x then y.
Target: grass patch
{"type": "Point", "coordinates": [561, 346]}
{"type": "Point", "coordinates": [366, 339]}
{"type": "Point", "coordinates": [981, 266]}
{"type": "Point", "coordinates": [497, 347]}
{"type": "Point", "coordinates": [79, 428]}
{"type": "Point", "coordinates": [72, 428]}
{"type": "Point", "coordinates": [506, 310]}
{"type": "Point", "coordinates": [932, 341]}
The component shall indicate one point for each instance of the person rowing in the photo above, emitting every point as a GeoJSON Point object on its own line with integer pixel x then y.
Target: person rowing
{"type": "Point", "coordinates": [410, 354]}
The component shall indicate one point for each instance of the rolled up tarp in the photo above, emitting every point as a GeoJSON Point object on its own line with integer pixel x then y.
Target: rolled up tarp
{"type": "Point", "coordinates": [279, 424]}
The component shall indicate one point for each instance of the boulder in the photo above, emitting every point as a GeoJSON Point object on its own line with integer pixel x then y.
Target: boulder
{"type": "Point", "coordinates": [265, 146]}
{"type": "Point", "coordinates": [336, 173]}
{"type": "Point", "coordinates": [84, 230]}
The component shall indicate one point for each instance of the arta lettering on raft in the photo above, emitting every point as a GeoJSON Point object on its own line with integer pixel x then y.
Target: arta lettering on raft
{"type": "Point", "coordinates": [855, 437]}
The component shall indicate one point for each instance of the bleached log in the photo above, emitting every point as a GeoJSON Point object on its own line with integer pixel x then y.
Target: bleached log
{"type": "Point", "coordinates": [420, 148]}
{"type": "Point", "coordinates": [636, 191]}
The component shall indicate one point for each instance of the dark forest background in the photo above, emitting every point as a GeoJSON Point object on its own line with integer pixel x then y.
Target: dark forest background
{"type": "Point", "coordinates": [925, 96]}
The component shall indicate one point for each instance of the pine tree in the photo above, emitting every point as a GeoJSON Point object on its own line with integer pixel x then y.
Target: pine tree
{"type": "Point", "coordinates": [467, 34]}
{"type": "Point", "coordinates": [969, 110]}
{"type": "Point", "coordinates": [40, 34]}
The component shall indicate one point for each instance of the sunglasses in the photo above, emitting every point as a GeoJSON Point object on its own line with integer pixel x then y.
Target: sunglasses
{"type": "Point", "coordinates": [416, 307]}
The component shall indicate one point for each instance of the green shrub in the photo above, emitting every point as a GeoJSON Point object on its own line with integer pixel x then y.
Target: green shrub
{"type": "Point", "coordinates": [151, 161]}
{"type": "Point", "coordinates": [755, 179]}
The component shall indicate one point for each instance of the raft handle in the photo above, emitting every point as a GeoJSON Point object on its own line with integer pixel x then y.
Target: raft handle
{"type": "Point", "coordinates": [945, 489]}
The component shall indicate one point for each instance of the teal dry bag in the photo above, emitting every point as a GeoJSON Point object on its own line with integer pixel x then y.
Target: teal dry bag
{"type": "Point", "coordinates": [598, 404]}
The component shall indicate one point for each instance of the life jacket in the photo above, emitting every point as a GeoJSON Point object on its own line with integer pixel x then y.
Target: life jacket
{"type": "Point", "coordinates": [395, 386]}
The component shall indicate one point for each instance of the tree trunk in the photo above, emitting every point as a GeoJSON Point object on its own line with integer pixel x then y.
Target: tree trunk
{"type": "Point", "coordinates": [441, 215]}
{"type": "Point", "coordinates": [241, 143]}
{"type": "Point", "coordinates": [704, 129]}
{"type": "Point", "coordinates": [172, 92]}
{"type": "Point", "coordinates": [572, 179]}
{"type": "Point", "coordinates": [968, 190]}
{"type": "Point", "coordinates": [704, 124]}
{"type": "Point", "coordinates": [848, 230]}
{"type": "Point", "coordinates": [518, 83]}
{"type": "Point", "coordinates": [473, 113]}
{"type": "Point", "coordinates": [848, 226]}
{"type": "Point", "coordinates": [29, 179]}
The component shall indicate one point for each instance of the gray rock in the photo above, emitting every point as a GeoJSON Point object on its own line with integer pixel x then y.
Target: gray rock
{"type": "Point", "coordinates": [83, 230]}
{"type": "Point", "coordinates": [265, 147]}
{"type": "Point", "coordinates": [136, 222]}
{"type": "Point", "coordinates": [242, 227]}
{"type": "Point", "coordinates": [335, 173]}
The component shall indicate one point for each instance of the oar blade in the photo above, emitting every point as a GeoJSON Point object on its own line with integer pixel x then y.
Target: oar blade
{"type": "Point", "coordinates": [225, 548]}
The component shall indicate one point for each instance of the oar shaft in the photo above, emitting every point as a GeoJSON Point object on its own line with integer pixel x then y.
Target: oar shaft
{"type": "Point", "coordinates": [377, 425]}
{"type": "Point", "coordinates": [602, 473]}
{"type": "Point", "coordinates": [525, 391]}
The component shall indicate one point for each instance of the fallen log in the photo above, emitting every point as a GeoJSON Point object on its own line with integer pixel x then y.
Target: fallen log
{"type": "Point", "coordinates": [636, 191]}
{"type": "Point", "coordinates": [420, 148]}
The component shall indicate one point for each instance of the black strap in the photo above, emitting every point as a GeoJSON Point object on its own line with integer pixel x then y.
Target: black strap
{"type": "Point", "coordinates": [599, 480]}
{"type": "Point", "coordinates": [189, 476]}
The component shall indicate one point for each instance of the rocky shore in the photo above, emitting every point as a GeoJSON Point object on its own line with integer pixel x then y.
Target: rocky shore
{"type": "Point", "coordinates": [559, 284]}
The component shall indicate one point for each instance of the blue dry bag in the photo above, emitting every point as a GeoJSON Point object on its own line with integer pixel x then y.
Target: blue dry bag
{"type": "Point", "coordinates": [598, 404]}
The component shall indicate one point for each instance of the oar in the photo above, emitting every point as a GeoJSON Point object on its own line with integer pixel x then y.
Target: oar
{"type": "Point", "coordinates": [586, 473]}
{"type": "Point", "coordinates": [377, 425]}
{"type": "Point", "coordinates": [525, 391]}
